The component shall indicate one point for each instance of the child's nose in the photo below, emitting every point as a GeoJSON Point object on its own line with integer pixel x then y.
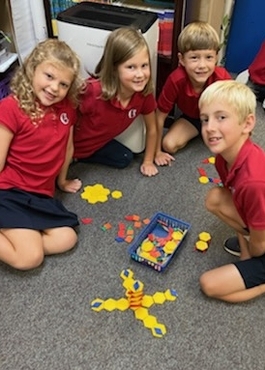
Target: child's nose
{"type": "Point", "coordinates": [202, 62]}
{"type": "Point", "coordinates": [54, 85]}
{"type": "Point", "coordinates": [210, 124]}
{"type": "Point", "coordinates": [139, 72]}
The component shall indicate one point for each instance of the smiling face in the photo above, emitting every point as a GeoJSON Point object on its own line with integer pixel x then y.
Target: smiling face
{"type": "Point", "coordinates": [199, 65]}
{"type": "Point", "coordinates": [51, 82]}
{"type": "Point", "coordinates": [134, 73]}
{"type": "Point", "coordinates": [222, 131]}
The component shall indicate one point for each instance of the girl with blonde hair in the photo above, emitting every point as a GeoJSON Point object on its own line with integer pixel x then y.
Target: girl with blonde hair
{"type": "Point", "coordinates": [120, 91]}
{"type": "Point", "coordinates": [36, 124]}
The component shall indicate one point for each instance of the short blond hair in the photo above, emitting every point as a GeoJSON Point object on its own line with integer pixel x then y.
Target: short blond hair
{"type": "Point", "coordinates": [198, 36]}
{"type": "Point", "coordinates": [236, 94]}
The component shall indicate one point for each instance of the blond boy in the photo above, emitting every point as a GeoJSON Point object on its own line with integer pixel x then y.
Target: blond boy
{"type": "Point", "coordinates": [227, 111]}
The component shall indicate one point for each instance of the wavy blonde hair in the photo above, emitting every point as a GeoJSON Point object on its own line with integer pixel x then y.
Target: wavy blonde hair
{"type": "Point", "coordinates": [198, 36]}
{"type": "Point", "coordinates": [122, 44]}
{"type": "Point", "coordinates": [52, 50]}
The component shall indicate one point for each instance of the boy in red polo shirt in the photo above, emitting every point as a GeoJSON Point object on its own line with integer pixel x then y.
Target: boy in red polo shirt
{"type": "Point", "coordinates": [198, 46]}
{"type": "Point", "coordinates": [227, 111]}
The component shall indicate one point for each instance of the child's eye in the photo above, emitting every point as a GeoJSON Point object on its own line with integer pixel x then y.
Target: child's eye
{"type": "Point", "coordinates": [64, 85]}
{"type": "Point", "coordinates": [48, 75]}
{"type": "Point", "coordinates": [204, 120]}
{"type": "Point", "coordinates": [221, 117]}
{"type": "Point", "coordinates": [145, 65]}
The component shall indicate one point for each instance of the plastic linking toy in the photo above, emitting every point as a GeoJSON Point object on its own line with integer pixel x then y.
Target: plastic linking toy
{"type": "Point", "coordinates": [138, 302]}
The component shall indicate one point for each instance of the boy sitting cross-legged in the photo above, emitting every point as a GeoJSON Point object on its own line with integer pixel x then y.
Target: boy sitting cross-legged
{"type": "Point", "coordinates": [198, 46]}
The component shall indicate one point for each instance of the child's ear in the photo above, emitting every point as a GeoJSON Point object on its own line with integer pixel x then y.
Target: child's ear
{"type": "Point", "coordinates": [180, 57]}
{"type": "Point", "coordinates": [216, 60]}
{"type": "Point", "coordinates": [249, 123]}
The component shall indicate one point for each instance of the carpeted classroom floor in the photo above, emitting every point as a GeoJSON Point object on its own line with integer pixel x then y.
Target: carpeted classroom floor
{"type": "Point", "coordinates": [46, 320]}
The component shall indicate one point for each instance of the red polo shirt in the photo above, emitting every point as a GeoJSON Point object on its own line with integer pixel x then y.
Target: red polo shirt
{"type": "Point", "coordinates": [102, 120]}
{"type": "Point", "coordinates": [36, 152]}
{"type": "Point", "coordinates": [246, 181]}
{"type": "Point", "coordinates": [257, 67]}
{"type": "Point", "coordinates": [179, 90]}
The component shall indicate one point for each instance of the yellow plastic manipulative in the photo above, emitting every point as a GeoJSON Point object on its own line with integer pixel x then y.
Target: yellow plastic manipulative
{"type": "Point", "coordinates": [98, 193]}
{"type": "Point", "coordinates": [204, 241]}
{"type": "Point", "coordinates": [205, 237]}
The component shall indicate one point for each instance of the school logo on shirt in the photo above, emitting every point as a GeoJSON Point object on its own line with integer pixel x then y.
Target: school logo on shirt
{"type": "Point", "coordinates": [132, 113]}
{"type": "Point", "coordinates": [64, 118]}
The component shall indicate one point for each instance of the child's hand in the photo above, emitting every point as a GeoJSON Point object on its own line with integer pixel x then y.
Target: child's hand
{"type": "Point", "coordinates": [148, 169]}
{"type": "Point", "coordinates": [163, 159]}
{"type": "Point", "coordinates": [70, 186]}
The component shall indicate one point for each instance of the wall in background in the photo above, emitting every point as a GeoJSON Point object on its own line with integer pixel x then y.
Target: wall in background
{"type": "Point", "coordinates": [216, 12]}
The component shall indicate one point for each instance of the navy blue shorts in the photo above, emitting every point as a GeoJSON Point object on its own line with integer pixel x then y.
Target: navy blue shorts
{"type": "Point", "coordinates": [22, 209]}
{"type": "Point", "coordinates": [113, 154]}
{"type": "Point", "coordinates": [196, 122]}
{"type": "Point", "coordinates": [252, 271]}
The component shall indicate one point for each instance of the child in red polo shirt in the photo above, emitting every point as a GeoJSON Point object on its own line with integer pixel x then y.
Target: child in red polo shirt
{"type": "Point", "coordinates": [36, 123]}
{"type": "Point", "coordinates": [121, 90]}
{"type": "Point", "coordinates": [198, 46]}
{"type": "Point", "coordinates": [227, 111]}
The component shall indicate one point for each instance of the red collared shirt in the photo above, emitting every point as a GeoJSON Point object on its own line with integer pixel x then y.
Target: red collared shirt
{"type": "Point", "coordinates": [102, 120]}
{"type": "Point", "coordinates": [246, 181]}
{"type": "Point", "coordinates": [37, 152]}
{"type": "Point", "coordinates": [179, 90]}
{"type": "Point", "coordinates": [257, 67]}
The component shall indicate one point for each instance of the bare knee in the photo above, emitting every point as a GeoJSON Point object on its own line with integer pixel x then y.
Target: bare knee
{"type": "Point", "coordinates": [71, 239]}
{"type": "Point", "coordinates": [213, 199]}
{"type": "Point", "coordinates": [68, 239]}
{"type": "Point", "coordinates": [59, 240]}
{"type": "Point", "coordinates": [207, 286]}
{"type": "Point", "coordinates": [170, 146]}
{"type": "Point", "coordinates": [28, 262]}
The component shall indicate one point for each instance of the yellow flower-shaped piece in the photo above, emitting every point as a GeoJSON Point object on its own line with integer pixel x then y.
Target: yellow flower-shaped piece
{"type": "Point", "coordinates": [96, 193]}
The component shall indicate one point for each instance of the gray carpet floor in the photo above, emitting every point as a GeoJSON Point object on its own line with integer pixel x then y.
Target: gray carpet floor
{"type": "Point", "coordinates": [46, 321]}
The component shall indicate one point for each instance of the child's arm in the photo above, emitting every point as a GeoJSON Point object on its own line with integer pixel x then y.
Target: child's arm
{"type": "Point", "coordinates": [161, 158]}
{"type": "Point", "coordinates": [69, 186]}
{"type": "Point", "coordinates": [6, 137]}
{"type": "Point", "coordinates": [148, 167]}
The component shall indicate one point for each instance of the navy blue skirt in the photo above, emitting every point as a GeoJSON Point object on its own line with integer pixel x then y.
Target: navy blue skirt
{"type": "Point", "coordinates": [22, 209]}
